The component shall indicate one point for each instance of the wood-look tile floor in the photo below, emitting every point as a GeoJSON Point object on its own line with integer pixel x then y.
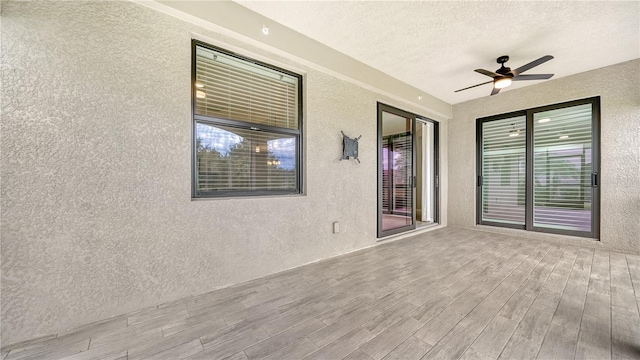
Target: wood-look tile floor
{"type": "Point", "coordinates": [446, 294]}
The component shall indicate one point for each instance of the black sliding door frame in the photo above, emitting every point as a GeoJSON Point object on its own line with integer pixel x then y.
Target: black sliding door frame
{"type": "Point", "coordinates": [529, 179]}
{"type": "Point", "coordinates": [595, 171]}
{"type": "Point", "coordinates": [390, 109]}
{"type": "Point", "coordinates": [436, 168]}
{"type": "Point", "coordinates": [479, 179]}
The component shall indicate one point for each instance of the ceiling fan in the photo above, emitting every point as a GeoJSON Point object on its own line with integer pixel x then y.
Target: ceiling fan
{"type": "Point", "coordinates": [504, 76]}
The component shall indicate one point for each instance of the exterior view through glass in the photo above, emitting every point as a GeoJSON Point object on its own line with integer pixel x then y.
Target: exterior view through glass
{"type": "Point", "coordinates": [237, 159]}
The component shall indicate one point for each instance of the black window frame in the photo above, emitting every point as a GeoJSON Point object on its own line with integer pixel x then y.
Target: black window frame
{"type": "Point", "coordinates": [210, 120]}
{"type": "Point", "coordinates": [596, 150]}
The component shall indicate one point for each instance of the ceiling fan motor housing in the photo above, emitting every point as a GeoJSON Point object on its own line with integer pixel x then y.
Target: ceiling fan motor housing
{"type": "Point", "coordinates": [502, 59]}
{"type": "Point", "coordinates": [503, 69]}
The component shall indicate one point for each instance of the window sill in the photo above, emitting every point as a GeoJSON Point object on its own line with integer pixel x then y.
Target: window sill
{"type": "Point", "coordinates": [252, 197]}
{"type": "Point", "coordinates": [408, 233]}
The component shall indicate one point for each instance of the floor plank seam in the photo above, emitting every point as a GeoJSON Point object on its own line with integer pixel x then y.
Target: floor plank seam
{"type": "Point", "coordinates": [557, 304]}
{"type": "Point", "coordinates": [610, 307]}
{"type": "Point", "coordinates": [458, 323]}
{"type": "Point", "coordinates": [511, 296]}
{"type": "Point", "coordinates": [493, 317]}
{"type": "Point", "coordinates": [583, 305]}
{"type": "Point", "coordinates": [407, 295]}
{"type": "Point", "coordinates": [563, 249]}
{"type": "Point", "coordinates": [636, 292]}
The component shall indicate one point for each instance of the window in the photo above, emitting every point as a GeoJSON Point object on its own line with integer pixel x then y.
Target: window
{"type": "Point", "coordinates": [538, 169]}
{"type": "Point", "coordinates": [247, 126]}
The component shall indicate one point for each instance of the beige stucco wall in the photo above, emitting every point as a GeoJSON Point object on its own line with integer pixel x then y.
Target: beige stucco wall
{"type": "Point", "coordinates": [619, 89]}
{"type": "Point", "coordinates": [97, 218]}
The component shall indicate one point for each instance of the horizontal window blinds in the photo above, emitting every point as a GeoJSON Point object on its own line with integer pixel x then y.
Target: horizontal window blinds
{"type": "Point", "coordinates": [504, 170]}
{"type": "Point", "coordinates": [386, 176]}
{"type": "Point", "coordinates": [562, 168]}
{"type": "Point", "coordinates": [231, 88]}
{"type": "Point", "coordinates": [235, 159]}
{"type": "Point", "coordinates": [247, 126]}
{"type": "Point", "coordinates": [396, 174]}
{"type": "Point", "coordinates": [401, 160]}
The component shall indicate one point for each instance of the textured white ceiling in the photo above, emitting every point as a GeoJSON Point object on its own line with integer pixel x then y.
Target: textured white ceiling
{"type": "Point", "coordinates": [435, 46]}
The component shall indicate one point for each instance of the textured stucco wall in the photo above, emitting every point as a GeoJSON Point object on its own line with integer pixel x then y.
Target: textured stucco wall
{"type": "Point", "coordinates": [97, 218]}
{"type": "Point", "coordinates": [619, 89]}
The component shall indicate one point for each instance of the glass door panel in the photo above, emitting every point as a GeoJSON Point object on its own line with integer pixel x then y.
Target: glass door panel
{"type": "Point", "coordinates": [562, 168]}
{"type": "Point", "coordinates": [503, 177]}
{"type": "Point", "coordinates": [396, 172]}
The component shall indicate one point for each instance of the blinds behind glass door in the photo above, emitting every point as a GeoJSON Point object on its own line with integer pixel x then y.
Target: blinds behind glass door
{"type": "Point", "coordinates": [562, 168]}
{"type": "Point", "coordinates": [386, 173]}
{"type": "Point", "coordinates": [503, 170]}
{"type": "Point", "coordinates": [230, 88]}
{"type": "Point", "coordinates": [397, 191]}
{"type": "Point", "coordinates": [402, 174]}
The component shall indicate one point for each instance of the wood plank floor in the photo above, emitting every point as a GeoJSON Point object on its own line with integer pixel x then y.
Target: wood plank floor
{"type": "Point", "coordinates": [446, 294]}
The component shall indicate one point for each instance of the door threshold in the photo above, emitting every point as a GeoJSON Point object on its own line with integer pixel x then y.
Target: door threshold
{"type": "Point", "coordinates": [408, 233]}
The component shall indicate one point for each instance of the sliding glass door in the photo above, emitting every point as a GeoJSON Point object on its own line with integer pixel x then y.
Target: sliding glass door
{"type": "Point", "coordinates": [563, 168]}
{"type": "Point", "coordinates": [408, 183]}
{"type": "Point", "coordinates": [396, 180]}
{"type": "Point", "coordinates": [502, 169]}
{"type": "Point", "coordinates": [538, 169]}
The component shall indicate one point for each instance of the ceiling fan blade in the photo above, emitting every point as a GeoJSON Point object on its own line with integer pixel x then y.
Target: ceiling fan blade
{"type": "Point", "coordinates": [532, 64]}
{"type": "Point", "coordinates": [495, 91]}
{"type": "Point", "coordinates": [532, 77]}
{"type": "Point", "coordinates": [484, 83]}
{"type": "Point", "coordinates": [488, 73]}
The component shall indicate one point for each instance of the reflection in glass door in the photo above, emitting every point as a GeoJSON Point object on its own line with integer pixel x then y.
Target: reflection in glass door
{"type": "Point", "coordinates": [396, 178]}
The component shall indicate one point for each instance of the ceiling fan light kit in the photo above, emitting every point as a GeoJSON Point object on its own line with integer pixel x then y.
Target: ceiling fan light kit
{"type": "Point", "coordinates": [504, 76]}
{"type": "Point", "coordinates": [502, 83]}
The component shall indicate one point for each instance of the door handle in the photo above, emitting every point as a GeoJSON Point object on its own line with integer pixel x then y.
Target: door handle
{"type": "Point", "coordinates": [480, 180]}
{"type": "Point", "coordinates": [594, 179]}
